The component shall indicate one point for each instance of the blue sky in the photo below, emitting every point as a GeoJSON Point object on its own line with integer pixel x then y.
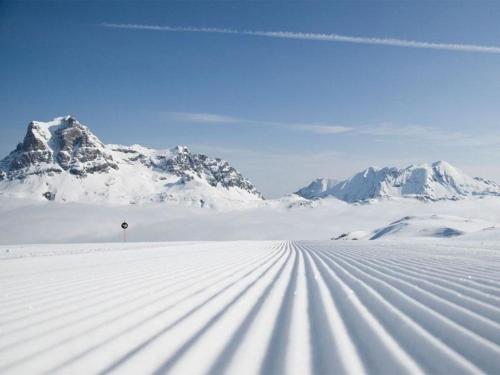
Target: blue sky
{"type": "Point", "coordinates": [283, 108]}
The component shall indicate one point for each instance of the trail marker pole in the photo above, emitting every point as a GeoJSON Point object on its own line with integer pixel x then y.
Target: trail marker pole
{"type": "Point", "coordinates": [124, 227]}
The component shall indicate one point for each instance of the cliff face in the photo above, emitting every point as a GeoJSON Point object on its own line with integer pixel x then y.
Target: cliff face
{"type": "Point", "coordinates": [63, 158]}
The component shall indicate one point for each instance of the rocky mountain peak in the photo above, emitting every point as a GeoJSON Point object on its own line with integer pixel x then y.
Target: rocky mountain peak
{"type": "Point", "coordinates": [63, 160]}
{"type": "Point", "coordinates": [63, 144]}
{"type": "Point", "coordinates": [215, 171]}
{"type": "Point", "coordinates": [180, 150]}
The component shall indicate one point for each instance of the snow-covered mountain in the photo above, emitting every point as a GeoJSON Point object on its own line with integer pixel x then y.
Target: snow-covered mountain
{"type": "Point", "coordinates": [62, 160]}
{"type": "Point", "coordinates": [436, 181]}
{"type": "Point", "coordinates": [317, 188]}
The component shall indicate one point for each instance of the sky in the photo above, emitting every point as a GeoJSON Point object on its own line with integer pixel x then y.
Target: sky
{"type": "Point", "coordinates": [285, 91]}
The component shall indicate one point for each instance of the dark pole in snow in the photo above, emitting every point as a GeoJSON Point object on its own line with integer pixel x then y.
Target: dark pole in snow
{"type": "Point", "coordinates": [124, 227]}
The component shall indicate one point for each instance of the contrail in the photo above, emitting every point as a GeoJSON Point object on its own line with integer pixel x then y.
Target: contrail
{"type": "Point", "coordinates": [319, 37]}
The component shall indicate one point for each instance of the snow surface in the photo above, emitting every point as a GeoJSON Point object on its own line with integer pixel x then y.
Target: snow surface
{"type": "Point", "coordinates": [317, 188]}
{"type": "Point", "coordinates": [431, 227]}
{"type": "Point", "coordinates": [250, 307]}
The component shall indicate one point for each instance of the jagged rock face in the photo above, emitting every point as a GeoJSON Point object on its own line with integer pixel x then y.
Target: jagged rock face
{"type": "Point", "coordinates": [61, 145]}
{"type": "Point", "coordinates": [216, 172]}
{"type": "Point", "coordinates": [63, 160]}
{"type": "Point", "coordinates": [182, 163]}
{"type": "Point", "coordinates": [80, 152]}
{"type": "Point", "coordinates": [33, 150]}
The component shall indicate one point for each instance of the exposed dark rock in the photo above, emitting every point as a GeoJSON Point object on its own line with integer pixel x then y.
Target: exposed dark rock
{"type": "Point", "coordinates": [49, 195]}
{"type": "Point", "coordinates": [32, 140]}
{"type": "Point", "coordinates": [68, 145]}
{"type": "Point", "coordinates": [125, 150]}
{"type": "Point", "coordinates": [216, 171]}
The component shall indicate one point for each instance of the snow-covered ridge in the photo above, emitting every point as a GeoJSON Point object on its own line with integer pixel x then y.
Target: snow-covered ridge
{"type": "Point", "coordinates": [429, 227]}
{"type": "Point", "coordinates": [63, 160]}
{"type": "Point", "coordinates": [436, 181]}
{"type": "Point", "coordinates": [317, 188]}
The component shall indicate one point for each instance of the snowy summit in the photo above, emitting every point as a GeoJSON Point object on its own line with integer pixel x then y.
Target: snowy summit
{"type": "Point", "coordinates": [63, 160]}
{"type": "Point", "coordinates": [437, 181]}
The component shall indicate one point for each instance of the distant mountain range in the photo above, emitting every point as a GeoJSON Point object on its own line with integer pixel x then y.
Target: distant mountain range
{"type": "Point", "coordinates": [62, 160]}
{"type": "Point", "coordinates": [437, 181]}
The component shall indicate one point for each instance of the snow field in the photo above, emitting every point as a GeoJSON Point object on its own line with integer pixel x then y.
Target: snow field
{"type": "Point", "coordinates": [250, 307]}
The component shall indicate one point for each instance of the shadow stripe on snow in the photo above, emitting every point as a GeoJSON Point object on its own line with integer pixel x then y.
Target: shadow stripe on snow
{"type": "Point", "coordinates": [79, 309]}
{"type": "Point", "coordinates": [433, 295]}
{"type": "Point", "coordinates": [332, 349]}
{"type": "Point", "coordinates": [241, 269]}
{"type": "Point", "coordinates": [104, 282]}
{"type": "Point", "coordinates": [378, 350]}
{"type": "Point", "coordinates": [81, 296]}
{"type": "Point", "coordinates": [397, 327]}
{"type": "Point", "coordinates": [476, 326]}
{"type": "Point", "coordinates": [179, 353]}
{"type": "Point", "coordinates": [442, 333]}
{"type": "Point", "coordinates": [274, 361]}
{"type": "Point", "coordinates": [457, 277]}
{"type": "Point", "coordinates": [237, 339]}
{"type": "Point", "coordinates": [157, 313]}
{"type": "Point", "coordinates": [487, 294]}
{"type": "Point", "coordinates": [127, 356]}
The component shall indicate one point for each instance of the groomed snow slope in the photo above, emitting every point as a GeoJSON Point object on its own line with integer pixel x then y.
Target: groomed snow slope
{"type": "Point", "coordinates": [250, 307]}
